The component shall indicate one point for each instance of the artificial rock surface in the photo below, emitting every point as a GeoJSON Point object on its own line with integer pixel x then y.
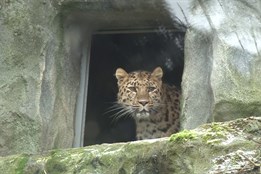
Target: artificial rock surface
{"type": "Point", "coordinates": [40, 70]}
{"type": "Point", "coordinates": [38, 82]}
{"type": "Point", "coordinates": [222, 62]}
{"type": "Point", "coordinates": [40, 64]}
{"type": "Point", "coordinates": [229, 147]}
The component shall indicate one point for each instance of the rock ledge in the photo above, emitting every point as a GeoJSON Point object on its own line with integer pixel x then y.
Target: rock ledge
{"type": "Point", "coordinates": [229, 147]}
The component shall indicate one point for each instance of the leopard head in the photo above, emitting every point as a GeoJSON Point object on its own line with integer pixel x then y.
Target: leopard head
{"type": "Point", "coordinates": [140, 92]}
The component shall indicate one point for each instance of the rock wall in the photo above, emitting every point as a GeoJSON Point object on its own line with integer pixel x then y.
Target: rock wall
{"type": "Point", "coordinates": [222, 62]}
{"type": "Point", "coordinates": [40, 77]}
{"type": "Point", "coordinates": [38, 82]}
{"type": "Point", "coordinates": [40, 63]}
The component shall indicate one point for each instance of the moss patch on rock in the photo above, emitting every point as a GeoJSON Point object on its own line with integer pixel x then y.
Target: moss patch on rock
{"type": "Point", "coordinates": [208, 149]}
{"type": "Point", "coordinates": [215, 133]}
{"type": "Point", "coordinates": [183, 136]}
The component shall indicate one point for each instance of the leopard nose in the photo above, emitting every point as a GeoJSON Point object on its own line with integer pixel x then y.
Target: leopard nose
{"type": "Point", "coordinates": [143, 102]}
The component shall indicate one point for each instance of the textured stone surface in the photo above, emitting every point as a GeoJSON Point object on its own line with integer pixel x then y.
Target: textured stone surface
{"type": "Point", "coordinates": [40, 67]}
{"type": "Point", "coordinates": [39, 78]}
{"type": "Point", "coordinates": [222, 62]}
{"type": "Point", "coordinates": [231, 147]}
{"type": "Point", "coordinates": [40, 63]}
{"type": "Point", "coordinates": [38, 87]}
{"type": "Point", "coordinates": [196, 90]}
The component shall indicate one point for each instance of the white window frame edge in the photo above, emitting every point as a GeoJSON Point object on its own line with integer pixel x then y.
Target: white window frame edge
{"type": "Point", "coordinates": [81, 105]}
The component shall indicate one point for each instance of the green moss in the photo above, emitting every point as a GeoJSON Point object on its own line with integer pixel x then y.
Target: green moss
{"type": "Point", "coordinates": [54, 164]}
{"type": "Point", "coordinates": [183, 136]}
{"type": "Point", "coordinates": [216, 127]}
{"type": "Point", "coordinates": [215, 133]}
{"type": "Point", "coordinates": [21, 162]}
{"type": "Point", "coordinates": [212, 138]}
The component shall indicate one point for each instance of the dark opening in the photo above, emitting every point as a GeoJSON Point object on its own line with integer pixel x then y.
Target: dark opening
{"type": "Point", "coordinates": [132, 51]}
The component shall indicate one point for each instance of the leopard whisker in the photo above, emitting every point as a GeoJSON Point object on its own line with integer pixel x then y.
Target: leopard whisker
{"type": "Point", "coordinates": [159, 105]}
{"type": "Point", "coordinates": [126, 113]}
{"type": "Point", "coordinates": [121, 113]}
{"type": "Point", "coordinates": [114, 107]}
{"type": "Point", "coordinates": [111, 110]}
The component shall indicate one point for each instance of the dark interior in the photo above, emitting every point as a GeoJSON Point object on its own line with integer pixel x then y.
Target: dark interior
{"type": "Point", "coordinates": [132, 51]}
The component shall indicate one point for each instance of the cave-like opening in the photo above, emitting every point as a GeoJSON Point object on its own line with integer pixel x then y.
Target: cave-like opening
{"type": "Point", "coordinates": [131, 51]}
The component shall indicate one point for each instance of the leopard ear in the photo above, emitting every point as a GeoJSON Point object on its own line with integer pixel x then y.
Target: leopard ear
{"type": "Point", "coordinates": [121, 74]}
{"type": "Point", "coordinates": [157, 73]}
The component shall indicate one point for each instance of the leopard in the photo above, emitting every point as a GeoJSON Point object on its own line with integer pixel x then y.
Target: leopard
{"type": "Point", "coordinates": [154, 105]}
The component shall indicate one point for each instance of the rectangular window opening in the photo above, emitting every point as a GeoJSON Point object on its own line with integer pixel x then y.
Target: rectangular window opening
{"type": "Point", "coordinates": [131, 51]}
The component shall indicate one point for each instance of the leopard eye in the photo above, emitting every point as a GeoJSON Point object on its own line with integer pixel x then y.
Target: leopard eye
{"type": "Point", "coordinates": [132, 88]}
{"type": "Point", "coordinates": [151, 88]}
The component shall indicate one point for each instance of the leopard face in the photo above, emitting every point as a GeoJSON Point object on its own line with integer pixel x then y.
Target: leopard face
{"type": "Point", "coordinates": [140, 92]}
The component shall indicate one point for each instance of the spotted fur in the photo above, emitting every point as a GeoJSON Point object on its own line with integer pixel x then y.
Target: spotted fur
{"type": "Point", "coordinates": [153, 104]}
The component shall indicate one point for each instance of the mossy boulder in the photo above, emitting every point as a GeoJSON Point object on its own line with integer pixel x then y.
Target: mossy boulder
{"type": "Point", "coordinates": [230, 147]}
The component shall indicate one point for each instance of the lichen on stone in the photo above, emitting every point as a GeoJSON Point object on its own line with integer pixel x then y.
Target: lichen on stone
{"type": "Point", "coordinates": [229, 150]}
{"type": "Point", "coordinates": [215, 133]}
{"type": "Point", "coordinates": [237, 162]}
{"type": "Point", "coordinates": [183, 136]}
